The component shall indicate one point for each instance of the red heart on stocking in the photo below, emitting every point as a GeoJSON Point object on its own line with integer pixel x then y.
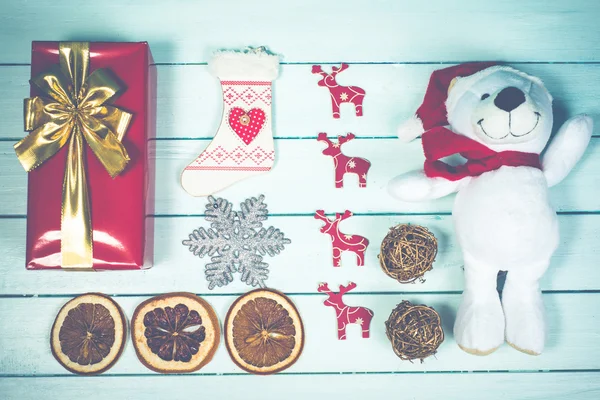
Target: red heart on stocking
{"type": "Point", "coordinates": [246, 124]}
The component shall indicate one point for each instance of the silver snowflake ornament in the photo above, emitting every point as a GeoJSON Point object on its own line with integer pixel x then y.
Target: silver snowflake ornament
{"type": "Point", "coordinates": [236, 242]}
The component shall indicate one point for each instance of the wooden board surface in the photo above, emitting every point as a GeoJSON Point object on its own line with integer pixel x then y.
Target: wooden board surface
{"type": "Point", "coordinates": [312, 30]}
{"type": "Point", "coordinates": [569, 333]}
{"type": "Point", "coordinates": [394, 91]}
{"type": "Point", "coordinates": [309, 175]}
{"type": "Point", "coordinates": [464, 386]}
{"type": "Point", "coordinates": [392, 46]}
{"type": "Point", "coordinates": [299, 268]}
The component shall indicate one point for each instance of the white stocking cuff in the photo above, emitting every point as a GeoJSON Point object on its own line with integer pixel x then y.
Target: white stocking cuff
{"type": "Point", "coordinates": [252, 64]}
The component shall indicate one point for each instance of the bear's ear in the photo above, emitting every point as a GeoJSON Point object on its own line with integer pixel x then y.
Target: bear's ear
{"type": "Point", "coordinates": [452, 83]}
{"type": "Point", "coordinates": [538, 81]}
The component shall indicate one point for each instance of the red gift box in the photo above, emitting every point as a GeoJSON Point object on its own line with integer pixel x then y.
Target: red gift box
{"type": "Point", "coordinates": [121, 207]}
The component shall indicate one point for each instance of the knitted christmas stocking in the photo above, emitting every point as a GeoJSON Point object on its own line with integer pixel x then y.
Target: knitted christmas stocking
{"type": "Point", "coordinates": [243, 144]}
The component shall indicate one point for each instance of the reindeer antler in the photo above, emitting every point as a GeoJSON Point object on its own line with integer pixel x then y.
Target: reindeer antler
{"type": "Point", "coordinates": [320, 214]}
{"type": "Point", "coordinates": [345, 139]}
{"type": "Point", "coordinates": [322, 137]}
{"type": "Point", "coordinates": [336, 70]}
{"type": "Point", "coordinates": [347, 214]}
{"type": "Point", "coordinates": [323, 288]}
{"type": "Point", "coordinates": [347, 288]}
{"type": "Point", "coordinates": [316, 69]}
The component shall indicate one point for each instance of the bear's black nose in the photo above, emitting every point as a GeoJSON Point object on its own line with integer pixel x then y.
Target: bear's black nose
{"type": "Point", "coordinates": [509, 98]}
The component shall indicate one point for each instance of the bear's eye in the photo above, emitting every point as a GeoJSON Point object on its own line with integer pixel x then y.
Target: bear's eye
{"type": "Point", "coordinates": [485, 96]}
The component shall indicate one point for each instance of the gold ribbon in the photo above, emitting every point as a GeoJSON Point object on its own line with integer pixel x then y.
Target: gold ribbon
{"type": "Point", "coordinates": [73, 109]}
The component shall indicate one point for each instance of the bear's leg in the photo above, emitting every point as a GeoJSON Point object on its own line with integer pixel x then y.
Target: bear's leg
{"type": "Point", "coordinates": [479, 325]}
{"type": "Point", "coordinates": [524, 309]}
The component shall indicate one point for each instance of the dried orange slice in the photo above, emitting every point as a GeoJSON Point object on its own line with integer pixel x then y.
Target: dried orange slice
{"type": "Point", "coordinates": [175, 333]}
{"type": "Point", "coordinates": [264, 332]}
{"type": "Point", "coordinates": [88, 335]}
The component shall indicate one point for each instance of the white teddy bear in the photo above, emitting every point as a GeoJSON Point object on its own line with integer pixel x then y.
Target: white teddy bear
{"type": "Point", "coordinates": [500, 121]}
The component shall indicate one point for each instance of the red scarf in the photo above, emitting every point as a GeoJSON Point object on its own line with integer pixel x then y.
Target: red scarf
{"type": "Point", "coordinates": [440, 142]}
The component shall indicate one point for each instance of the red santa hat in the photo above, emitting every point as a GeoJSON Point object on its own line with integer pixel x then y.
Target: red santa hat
{"type": "Point", "coordinates": [432, 111]}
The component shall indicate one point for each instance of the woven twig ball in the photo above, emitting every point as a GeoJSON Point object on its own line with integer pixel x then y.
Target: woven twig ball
{"type": "Point", "coordinates": [414, 330]}
{"type": "Point", "coordinates": [407, 252]}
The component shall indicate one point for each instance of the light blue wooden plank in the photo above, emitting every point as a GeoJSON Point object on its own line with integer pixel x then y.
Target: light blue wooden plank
{"type": "Point", "coordinates": [354, 30]}
{"type": "Point", "coordinates": [190, 106]}
{"type": "Point", "coordinates": [571, 345]}
{"type": "Point", "coordinates": [302, 265]}
{"type": "Point", "coordinates": [495, 386]}
{"type": "Point", "coordinates": [303, 171]}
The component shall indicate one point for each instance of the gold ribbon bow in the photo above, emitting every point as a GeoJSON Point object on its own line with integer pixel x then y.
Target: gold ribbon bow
{"type": "Point", "coordinates": [73, 109]}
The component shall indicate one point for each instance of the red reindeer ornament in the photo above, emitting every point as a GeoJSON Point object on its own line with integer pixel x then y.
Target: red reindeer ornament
{"type": "Point", "coordinates": [347, 314]}
{"type": "Point", "coordinates": [342, 242]}
{"type": "Point", "coordinates": [344, 164]}
{"type": "Point", "coordinates": [340, 94]}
